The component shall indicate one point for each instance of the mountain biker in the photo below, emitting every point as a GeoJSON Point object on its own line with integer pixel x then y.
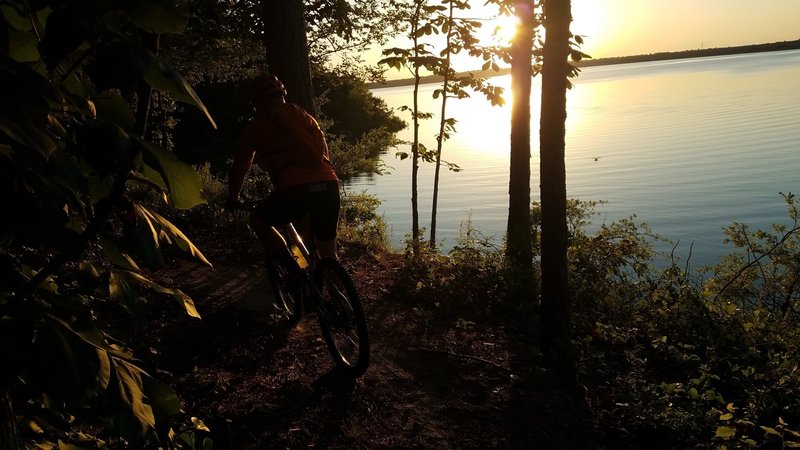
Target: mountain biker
{"type": "Point", "coordinates": [288, 142]}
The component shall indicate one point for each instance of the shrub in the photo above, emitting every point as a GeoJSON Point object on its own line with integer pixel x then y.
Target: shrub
{"type": "Point", "coordinates": [360, 224]}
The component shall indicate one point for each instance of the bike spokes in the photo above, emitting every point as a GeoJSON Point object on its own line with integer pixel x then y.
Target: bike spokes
{"type": "Point", "coordinates": [342, 318]}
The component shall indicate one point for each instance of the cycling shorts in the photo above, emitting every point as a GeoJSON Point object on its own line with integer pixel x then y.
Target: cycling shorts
{"type": "Point", "coordinates": [319, 202]}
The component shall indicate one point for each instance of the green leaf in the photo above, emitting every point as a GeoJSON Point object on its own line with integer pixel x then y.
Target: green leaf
{"type": "Point", "coordinates": [66, 364]}
{"type": "Point", "coordinates": [23, 46]}
{"type": "Point", "coordinates": [27, 134]}
{"type": "Point", "coordinates": [164, 78]}
{"type": "Point", "coordinates": [165, 226]}
{"type": "Point", "coordinates": [123, 287]}
{"type": "Point", "coordinates": [160, 16]}
{"type": "Point", "coordinates": [127, 294]}
{"type": "Point", "coordinates": [770, 430]}
{"type": "Point", "coordinates": [727, 416]}
{"type": "Point", "coordinates": [112, 107]}
{"type": "Point", "coordinates": [725, 432]}
{"type": "Point", "coordinates": [136, 419]}
{"type": "Point", "coordinates": [117, 257]}
{"type": "Point", "coordinates": [182, 181]}
{"type": "Point", "coordinates": [163, 399]}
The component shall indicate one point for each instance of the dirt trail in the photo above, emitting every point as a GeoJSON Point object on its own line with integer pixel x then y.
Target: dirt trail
{"type": "Point", "coordinates": [258, 384]}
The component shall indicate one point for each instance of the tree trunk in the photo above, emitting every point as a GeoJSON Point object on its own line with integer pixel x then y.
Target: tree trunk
{"type": "Point", "coordinates": [555, 320]}
{"type": "Point", "coordinates": [415, 234]}
{"type": "Point", "coordinates": [286, 47]}
{"type": "Point", "coordinates": [519, 251]}
{"type": "Point", "coordinates": [442, 122]}
{"type": "Point", "coordinates": [144, 91]}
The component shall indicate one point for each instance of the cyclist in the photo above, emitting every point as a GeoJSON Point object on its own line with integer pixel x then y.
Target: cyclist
{"type": "Point", "coordinates": [288, 142]}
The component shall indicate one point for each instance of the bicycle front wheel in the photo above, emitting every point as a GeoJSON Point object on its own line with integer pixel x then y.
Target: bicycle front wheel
{"type": "Point", "coordinates": [341, 317]}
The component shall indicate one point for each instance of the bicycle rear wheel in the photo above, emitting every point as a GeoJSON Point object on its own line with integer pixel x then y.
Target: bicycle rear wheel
{"type": "Point", "coordinates": [288, 302]}
{"type": "Point", "coordinates": [341, 317]}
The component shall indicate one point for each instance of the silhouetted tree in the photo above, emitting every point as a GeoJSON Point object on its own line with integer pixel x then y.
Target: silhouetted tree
{"type": "Point", "coordinates": [286, 46]}
{"type": "Point", "coordinates": [519, 251]}
{"type": "Point", "coordinates": [555, 320]}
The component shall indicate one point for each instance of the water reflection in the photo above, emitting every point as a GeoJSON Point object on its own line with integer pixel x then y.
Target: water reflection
{"type": "Point", "coordinates": [687, 145]}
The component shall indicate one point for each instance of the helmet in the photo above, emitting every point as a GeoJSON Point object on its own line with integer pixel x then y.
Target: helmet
{"type": "Point", "coordinates": [265, 86]}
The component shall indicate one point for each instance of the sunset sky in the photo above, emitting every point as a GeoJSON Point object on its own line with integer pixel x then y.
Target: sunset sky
{"type": "Point", "coordinates": [632, 27]}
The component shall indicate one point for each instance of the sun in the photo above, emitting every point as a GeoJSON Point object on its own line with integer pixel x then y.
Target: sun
{"type": "Point", "coordinates": [503, 29]}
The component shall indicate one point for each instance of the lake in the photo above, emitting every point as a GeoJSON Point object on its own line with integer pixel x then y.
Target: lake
{"type": "Point", "coordinates": [687, 145]}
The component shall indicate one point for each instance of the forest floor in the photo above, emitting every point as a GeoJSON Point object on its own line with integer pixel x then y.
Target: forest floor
{"type": "Point", "coordinates": [436, 380]}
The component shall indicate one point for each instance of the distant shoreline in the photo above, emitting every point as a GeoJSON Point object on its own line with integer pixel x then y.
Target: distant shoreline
{"type": "Point", "coordinates": [719, 51]}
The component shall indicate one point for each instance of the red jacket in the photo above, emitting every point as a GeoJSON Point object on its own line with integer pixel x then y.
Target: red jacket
{"type": "Point", "coordinates": [288, 143]}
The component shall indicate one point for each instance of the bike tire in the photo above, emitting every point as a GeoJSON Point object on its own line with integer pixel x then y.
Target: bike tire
{"type": "Point", "coordinates": [289, 304]}
{"type": "Point", "coordinates": [341, 318]}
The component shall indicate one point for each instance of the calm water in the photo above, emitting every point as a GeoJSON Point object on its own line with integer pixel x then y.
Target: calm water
{"type": "Point", "coordinates": [687, 145]}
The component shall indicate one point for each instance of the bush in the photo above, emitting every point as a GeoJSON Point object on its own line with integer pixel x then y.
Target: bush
{"type": "Point", "coordinates": [359, 223]}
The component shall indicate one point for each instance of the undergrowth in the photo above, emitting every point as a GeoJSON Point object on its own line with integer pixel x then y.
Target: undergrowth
{"type": "Point", "coordinates": [669, 357]}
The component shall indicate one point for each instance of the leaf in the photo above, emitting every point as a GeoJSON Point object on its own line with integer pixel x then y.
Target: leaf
{"type": "Point", "coordinates": [124, 292]}
{"type": "Point", "coordinates": [164, 78]}
{"type": "Point", "coordinates": [179, 238]}
{"type": "Point", "coordinates": [117, 257]}
{"type": "Point", "coordinates": [112, 107]}
{"type": "Point", "coordinates": [66, 363]}
{"type": "Point", "coordinates": [770, 430]}
{"type": "Point", "coordinates": [124, 284]}
{"type": "Point", "coordinates": [725, 432]}
{"type": "Point", "coordinates": [27, 134]}
{"type": "Point", "coordinates": [182, 181]}
{"type": "Point", "coordinates": [136, 419]}
{"type": "Point", "coordinates": [163, 399]}
{"type": "Point", "coordinates": [23, 46]}
{"type": "Point", "coordinates": [199, 425]}
{"type": "Point", "coordinates": [727, 416]}
{"type": "Point", "coordinates": [160, 16]}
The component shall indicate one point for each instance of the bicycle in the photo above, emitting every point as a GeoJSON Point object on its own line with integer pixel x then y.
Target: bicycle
{"type": "Point", "coordinates": [325, 287]}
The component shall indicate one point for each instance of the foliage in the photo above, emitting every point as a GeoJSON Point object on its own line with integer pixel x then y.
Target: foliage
{"type": "Point", "coordinates": [667, 357]}
{"type": "Point", "coordinates": [352, 110]}
{"type": "Point", "coordinates": [360, 157]}
{"type": "Point", "coordinates": [683, 360]}
{"type": "Point", "coordinates": [423, 21]}
{"type": "Point", "coordinates": [68, 152]}
{"type": "Point", "coordinates": [469, 279]}
{"type": "Point", "coordinates": [359, 223]}
{"type": "Point", "coordinates": [768, 272]}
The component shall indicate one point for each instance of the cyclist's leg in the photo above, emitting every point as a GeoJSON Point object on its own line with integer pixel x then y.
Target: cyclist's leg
{"type": "Point", "coordinates": [274, 210]}
{"type": "Point", "coordinates": [324, 216]}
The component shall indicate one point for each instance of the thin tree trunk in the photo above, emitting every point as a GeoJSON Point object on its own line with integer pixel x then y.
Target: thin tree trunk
{"type": "Point", "coordinates": [519, 251]}
{"type": "Point", "coordinates": [144, 92]}
{"type": "Point", "coordinates": [286, 46]}
{"type": "Point", "coordinates": [415, 145]}
{"type": "Point", "coordinates": [442, 121]}
{"type": "Point", "coordinates": [555, 320]}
